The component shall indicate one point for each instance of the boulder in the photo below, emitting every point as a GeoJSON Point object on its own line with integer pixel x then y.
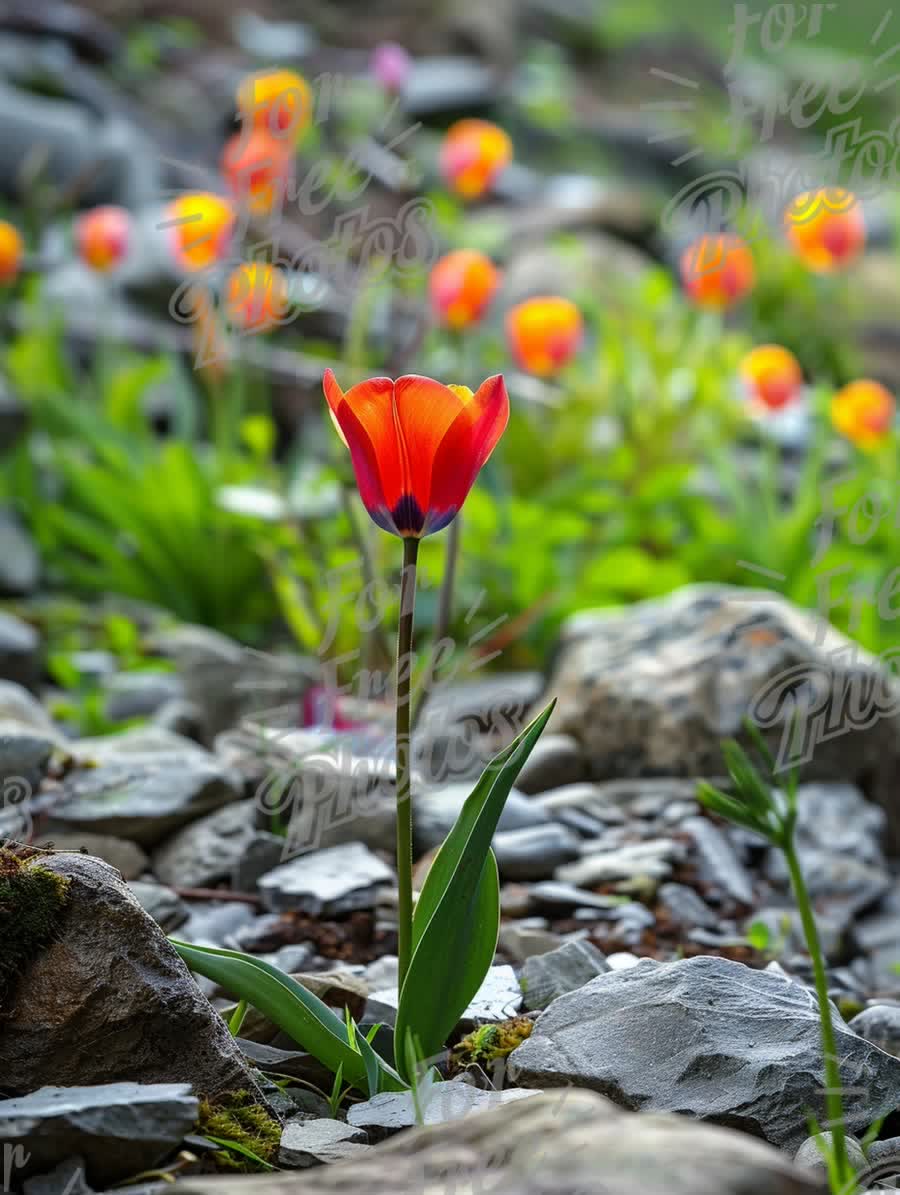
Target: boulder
{"type": "Point", "coordinates": [652, 690]}
{"type": "Point", "coordinates": [109, 1000]}
{"type": "Point", "coordinates": [708, 1038]}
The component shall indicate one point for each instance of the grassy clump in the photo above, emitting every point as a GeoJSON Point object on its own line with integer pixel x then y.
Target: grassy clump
{"type": "Point", "coordinates": [248, 1133]}
{"type": "Point", "coordinates": [32, 900]}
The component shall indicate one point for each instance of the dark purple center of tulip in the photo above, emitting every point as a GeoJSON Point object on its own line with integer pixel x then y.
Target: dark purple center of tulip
{"type": "Point", "coordinates": [407, 515]}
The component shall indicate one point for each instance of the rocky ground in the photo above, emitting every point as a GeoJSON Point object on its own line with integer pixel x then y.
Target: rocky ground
{"type": "Point", "coordinates": [649, 954]}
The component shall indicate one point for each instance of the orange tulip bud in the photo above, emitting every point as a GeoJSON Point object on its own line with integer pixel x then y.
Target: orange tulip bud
{"type": "Point", "coordinates": [278, 102]}
{"type": "Point", "coordinates": [12, 250]}
{"type": "Point", "coordinates": [863, 412]}
{"type": "Point", "coordinates": [102, 237]}
{"type": "Point", "coordinates": [772, 376]}
{"type": "Point", "coordinates": [544, 334]}
{"type": "Point", "coordinates": [826, 229]}
{"type": "Point", "coordinates": [717, 271]}
{"type": "Point", "coordinates": [256, 296]}
{"type": "Point", "coordinates": [472, 156]}
{"type": "Point", "coordinates": [417, 446]}
{"type": "Point", "coordinates": [461, 287]}
{"type": "Point", "coordinates": [201, 225]}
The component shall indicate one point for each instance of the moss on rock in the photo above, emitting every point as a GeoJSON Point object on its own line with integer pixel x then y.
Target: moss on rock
{"type": "Point", "coordinates": [32, 900]}
{"type": "Point", "coordinates": [487, 1043]}
{"type": "Point", "coordinates": [239, 1118]}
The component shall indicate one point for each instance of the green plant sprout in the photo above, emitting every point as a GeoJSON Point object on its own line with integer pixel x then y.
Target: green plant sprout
{"type": "Point", "coordinates": [768, 806]}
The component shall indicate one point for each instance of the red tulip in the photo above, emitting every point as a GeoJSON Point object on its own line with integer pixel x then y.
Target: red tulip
{"type": "Point", "coordinates": [826, 229]}
{"type": "Point", "coordinates": [102, 237]}
{"type": "Point", "coordinates": [772, 375]}
{"type": "Point", "coordinates": [11, 252]}
{"type": "Point", "coordinates": [544, 333]}
{"type": "Point", "coordinates": [717, 271]}
{"type": "Point", "coordinates": [417, 445]}
{"type": "Point", "coordinates": [461, 286]}
{"type": "Point", "coordinates": [863, 412]}
{"type": "Point", "coordinates": [257, 167]}
{"type": "Point", "coordinates": [473, 154]}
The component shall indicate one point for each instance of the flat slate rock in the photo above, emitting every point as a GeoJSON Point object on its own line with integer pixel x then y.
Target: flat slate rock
{"type": "Point", "coordinates": [392, 1111]}
{"type": "Point", "coordinates": [312, 1142]}
{"type": "Point", "coordinates": [325, 883]}
{"type": "Point", "coordinates": [119, 1129]}
{"type": "Point", "coordinates": [559, 1143]}
{"type": "Point", "coordinates": [141, 786]}
{"type": "Point", "coordinates": [498, 998]}
{"type": "Point", "coordinates": [710, 1038]}
{"type": "Point", "coordinates": [546, 977]}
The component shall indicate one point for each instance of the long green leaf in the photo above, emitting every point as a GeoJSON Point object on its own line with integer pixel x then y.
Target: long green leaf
{"type": "Point", "coordinates": [305, 1018]}
{"type": "Point", "coordinates": [457, 915]}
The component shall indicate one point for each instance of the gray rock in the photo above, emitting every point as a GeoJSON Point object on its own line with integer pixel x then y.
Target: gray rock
{"type": "Point", "coordinates": [325, 883]}
{"type": "Point", "coordinates": [218, 923]}
{"type": "Point", "coordinates": [651, 859]}
{"type": "Point", "coordinates": [654, 688]}
{"type": "Point", "coordinates": [142, 786]}
{"type": "Point", "coordinates": [563, 1142]}
{"type": "Point", "coordinates": [710, 1038]}
{"type": "Point", "coordinates": [19, 651]}
{"type": "Point", "coordinates": [545, 977]}
{"type": "Point", "coordinates": [718, 862]}
{"type": "Point", "coordinates": [687, 907]}
{"type": "Point", "coordinates": [447, 85]}
{"type": "Point", "coordinates": [68, 1176]}
{"type": "Point", "coordinates": [555, 761]}
{"type": "Point", "coordinates": [24, 754]}
{"type": "Point", "coordinates": [118, 1129]}
{"type": "Point", "coordinates": [880, 1025]}
{"type": "Point", "coordinates": [140, 694]}
{"type": "Point", "coordinates": [786, 931]}
{"type": "Point", "coordinates": [166, 907]}
{"type": "Point", "coordinates": [307, 1142]}
{"type": "Point", "coordinates": [811, 1157]}
{"type": "Point", "coordinates": [520, 941]}
{"type": "Point", "coordinates": [439, 1103]}
{"type": "Point", "coordinates": [20, 566]}
{"type": "Point", "coordinates": [878, 935]}
{"type": "Point", "coordinates": [209, 849]}
{"type": "Point", "coordinates": [110, 1000]}
{"type": "Point", "coordinates": [435, 813]}
{"type": "Point", "coordinates": [126, 857]}
{"type": "Point", "coordinates": [535, 852]}
{"type": "Point", "coordinates": [556, 899]}
{"type": "Point", "coordinates": [226, 681]}
{"type": "Point", "coordinates": [183, 717]}
{"type": "Point", "coordinates": [262, 854]}
{"type": "Point", "coordinates": [498, 998]}
{"type": "Point", "coordinates": [838, 840]}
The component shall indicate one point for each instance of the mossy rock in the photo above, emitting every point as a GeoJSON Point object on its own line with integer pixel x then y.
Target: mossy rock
{"type": "Point", "coordinates": [487, 1043]}
{"type": "Point", "coordinates": [32, 901]}
{"type": "Point", "coordinates": [240, 1119]}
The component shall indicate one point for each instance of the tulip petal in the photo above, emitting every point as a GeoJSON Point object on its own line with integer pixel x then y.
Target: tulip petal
{"type": "Point", "coordinates": [425, 410]}
{"type": "Point", "coordinates": [465, 448]}
{"type": "Point", "coordinates": [364, 415]}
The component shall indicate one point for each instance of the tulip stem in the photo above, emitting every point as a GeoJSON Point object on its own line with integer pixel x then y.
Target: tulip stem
{"type": "Point", "coordinates": [444, 616]}
{"type": "Point", "coordinates": [404, 755]}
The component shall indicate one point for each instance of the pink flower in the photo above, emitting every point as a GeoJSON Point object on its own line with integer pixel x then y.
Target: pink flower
{"type": "Point", "coordinates": [391, 65]}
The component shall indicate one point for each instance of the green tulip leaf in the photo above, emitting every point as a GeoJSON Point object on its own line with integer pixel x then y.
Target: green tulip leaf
{"type": "Point", "coordinates": [302, 1016]}
{"type": "Point", "coordinates": [457, 915]}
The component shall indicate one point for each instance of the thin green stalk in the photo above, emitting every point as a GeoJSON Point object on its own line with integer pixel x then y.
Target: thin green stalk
{"type": "Point", "coordinates": [444, 615]}
{"type": "Point", "coordinates": [237, 1018]}
{"type": "Point", "coordinates": [404, 753]}
{"type": "Point", "coordinates": [834, 1104]}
